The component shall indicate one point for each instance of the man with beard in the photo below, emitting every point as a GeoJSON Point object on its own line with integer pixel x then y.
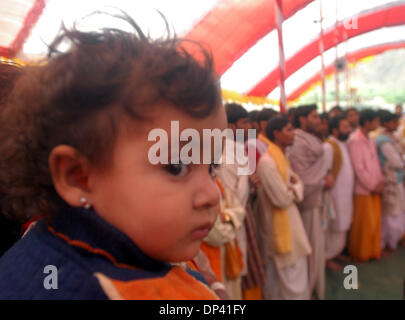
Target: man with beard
{"type": "Point", "coordinates": [307, 160]}
{"type": "Point", "coordinates": [338, 161]}
{"type": "Point", "coordinates": [365, 233]}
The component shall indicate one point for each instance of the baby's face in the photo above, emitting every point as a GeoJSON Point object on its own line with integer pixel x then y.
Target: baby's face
{"type": "Point", "coordinates": [165, 209]}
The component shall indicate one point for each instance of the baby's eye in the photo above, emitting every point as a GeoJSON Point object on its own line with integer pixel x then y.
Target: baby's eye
{"type": "Point", "coordinates": [179, 170]}
{"type": "Point", "coordinates": [212, 168]}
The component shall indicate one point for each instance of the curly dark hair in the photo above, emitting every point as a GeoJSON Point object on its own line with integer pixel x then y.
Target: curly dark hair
{"type": "Point", "coordinates": [78, 97]}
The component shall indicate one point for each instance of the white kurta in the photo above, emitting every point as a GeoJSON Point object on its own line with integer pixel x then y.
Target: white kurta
{"type": "Point", "coordinates": [342, 191]}
{"type": "Point", "coordinates": [307, 160]}
{"type": "Point", "coordinates": [290, 283]}
{"type": "Point", "coordinates": [342, 197]}
{"type": "Point", "coordinates": [224, 232]}
{"type": "Point", "coordinates": [239, 185]}
{"type": "Point", "coordinates": [393, 226]}
{"type": "Point", "coordinates": [393, 221]}
{"type": "Point", "coordinates": [286, 274]}
{"type": "Point", "coordinates": [313, 219]}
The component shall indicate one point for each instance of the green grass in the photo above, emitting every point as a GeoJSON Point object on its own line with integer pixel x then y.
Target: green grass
{"type": "Point", "coordinates": [378, 279]}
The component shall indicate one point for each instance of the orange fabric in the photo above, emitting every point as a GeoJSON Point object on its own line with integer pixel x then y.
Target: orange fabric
{"type": "Point", "coordinates": [214, 256]}
{"type": "Point", "coordinates": [233, 260]}
{"type": "Point", "coordinates": [86, 246]}
{"type": "Point", "coordinates": [365, 234]}
{"type": "Point", "coordinates": [176, 285]}
{"type": "Point", "coordinates": [192, 265]}
{"type": "Point", "coordinates": [221, 188]}
{"type": "Point", "coordinates": [254, 293]}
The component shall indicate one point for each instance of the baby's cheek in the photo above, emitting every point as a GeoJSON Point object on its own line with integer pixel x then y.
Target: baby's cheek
{"type": "Point", "coordinates": [167, 220]}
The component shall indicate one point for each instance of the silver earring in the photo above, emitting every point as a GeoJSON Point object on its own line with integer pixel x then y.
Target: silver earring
{"type": "Point", "coordinates": [84, 202]}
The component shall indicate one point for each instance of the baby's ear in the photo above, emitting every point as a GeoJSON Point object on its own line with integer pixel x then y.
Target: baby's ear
{"type": "Point", "coordinates": [70, 173]}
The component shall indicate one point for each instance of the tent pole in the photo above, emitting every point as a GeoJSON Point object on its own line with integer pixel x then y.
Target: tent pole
{"type": "Point", "coordinates": [348, 99]}
{"type": "Point", "coordinates": [280, 19]}
{"type": "Point", "coordinates": [337, 57]}
{"type": "Point", "coordinates": [321, 50]}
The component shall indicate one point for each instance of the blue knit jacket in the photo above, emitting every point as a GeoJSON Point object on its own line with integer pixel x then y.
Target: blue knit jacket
{"type": "Point", "coordinates": [79, 245]}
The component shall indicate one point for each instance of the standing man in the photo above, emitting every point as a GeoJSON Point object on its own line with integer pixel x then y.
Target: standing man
{"type": "Point", "coordinates": [285, 245]}
{"type": "Point", "coordinates": [365, 234]}
{"type": "Point", "coordinates": [259, 145]}
{"type": "Point", "coordinates": [307, 160]}
{"type": "Point", "coordinates": [256, 148]}
{"type": "Point", "coordinates": [238, 119]}
{"type": "Point", "coordinates": [237, 185]}
{"type": "Point", "coordinates": [393, 196]}
{"type": "Point", "coordinates": [252, 273]}
{"type": "Point", "coordinates": [338, 161]}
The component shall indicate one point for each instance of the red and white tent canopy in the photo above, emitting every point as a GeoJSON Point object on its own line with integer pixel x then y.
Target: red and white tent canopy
{"type": "Point", "coordinates": [241, 33]}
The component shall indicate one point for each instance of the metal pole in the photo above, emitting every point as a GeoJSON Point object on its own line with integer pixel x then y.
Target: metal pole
{"type": "Point", "coordinates": [337, 57]}
{"type": "Point", "coordinates": [280, 19]}
{"type": "Point", "coordinates": [348, 97]}
{"type": "Point", "coordinates": [321, 50]}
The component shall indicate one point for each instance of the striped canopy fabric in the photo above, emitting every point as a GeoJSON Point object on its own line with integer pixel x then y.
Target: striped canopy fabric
{"type": "Point", "coordinates": [241, 34]}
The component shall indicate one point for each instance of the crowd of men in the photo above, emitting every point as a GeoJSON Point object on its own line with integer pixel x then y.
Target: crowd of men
{"type": "Point", "coordinates": [328, 190]}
